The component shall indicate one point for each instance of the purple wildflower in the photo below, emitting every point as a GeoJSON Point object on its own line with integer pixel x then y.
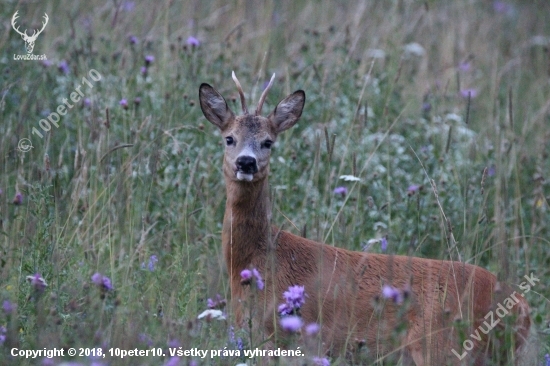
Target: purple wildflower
{"type": "Point", "coordinates": [7, 306]}
{"type": "Point", "coordinates": [87, 102]}
{"type": "Point", "coordinates": [341, 191]}
{"type": "Point", "coordinates": [193, 42]}
{"type": "Point", "coordinates": [389, 292]}
{"type": "Point", "coordinates": [123, 103]}
{"type": "Point", "coordinates": [152, 261]}
{"type": "Point", "coordinates": [46, 63]}
{"type": "Point", "coordinates": [295, 296]}
{"type": "Point", "coordinates": [384, 244]}
{"type": "Point", "coordinates": [285, 309]}
{"type": "Point", "coordinates": [492, 170]}
{"type": "Point", "coordinates": [312, 329]}
{"type": "Point", "coordinates": [103, 282]}
{"type": "Point", "coordinates": [468, 93]}
{"type": "Point", "coordinates": [37, 282]}
{"type": "Point", "coordinates": [133, 40]}
{"type": "Point", "coordinates": [143, 71]}
{"type": "Point", "coordinates": [291, 323]}
{"type": "Point", "coordinates": [137, 101]}
{"type": "Point", "coordinates": [63, 67]}
{"type": "Point", "coordinates": [259, 280]}
{"type": "Point", "coordinates": [413, 188]}
{"type": "Point", "coordinates": [217, 303]}
{"type": "Point", "coordinates": [320, 361]}
{"type": "Point", "coordinates": [547, 358]}
{"type": "Point", "coordinates": [149, 59]}
{"type": "Point", "coordinates": [246, 275]}
{"type": "Point", "coordinates": [3, 332]}
{"type": "Point", "coordinates": [18, 199]}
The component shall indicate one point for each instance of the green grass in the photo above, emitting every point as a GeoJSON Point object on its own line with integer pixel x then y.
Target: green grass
{"type": "Point", "coordinates": [126, 184]}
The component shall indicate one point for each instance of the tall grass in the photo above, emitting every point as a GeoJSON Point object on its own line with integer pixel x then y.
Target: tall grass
{"type": "Point", "coordinates": [398, 94]}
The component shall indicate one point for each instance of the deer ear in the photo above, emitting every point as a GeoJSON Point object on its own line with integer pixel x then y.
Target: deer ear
{"type": "Point", "coordinates": [288, 111]}
{"type": "Point", "coordinates": [214, 107]}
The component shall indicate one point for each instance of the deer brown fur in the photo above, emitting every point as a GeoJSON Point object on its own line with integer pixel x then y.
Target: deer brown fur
{"type": "Point", "coordinates": [343, 287]}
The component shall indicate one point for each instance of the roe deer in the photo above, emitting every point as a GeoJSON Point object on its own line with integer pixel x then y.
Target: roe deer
{"type": "Point", "coordinates": [344, 287]}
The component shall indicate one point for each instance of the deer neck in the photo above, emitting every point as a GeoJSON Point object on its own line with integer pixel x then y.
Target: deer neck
{"type": "Point", "coordinates": [246, 225]}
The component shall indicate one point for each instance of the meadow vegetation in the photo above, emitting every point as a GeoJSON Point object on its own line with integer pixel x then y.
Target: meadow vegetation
{"type": "Point", "coordinates": [441, 109]}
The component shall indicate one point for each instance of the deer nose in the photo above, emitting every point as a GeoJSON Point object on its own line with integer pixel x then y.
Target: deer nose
{"type": "Point", "coordinates": [247, 164]}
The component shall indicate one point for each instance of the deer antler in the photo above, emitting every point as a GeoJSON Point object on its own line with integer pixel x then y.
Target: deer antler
{"type": "Point", "coordinates": [264, 95]}
{"type": "Point", "coordinates": [241, 93]}
{"type": "Point", "coordinates": [15, 16]}
{"type": "Point", "coordinates": [43, 25]}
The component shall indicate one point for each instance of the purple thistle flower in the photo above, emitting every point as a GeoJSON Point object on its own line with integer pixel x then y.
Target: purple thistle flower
{"type": "Point", "coordinates": [312, 329]}
{"type": "Point", "coordinates": [413, 188]}
{"type": "Point", "coordinates": [391, 293]}
{"type": "Point", "coordinates": [37, 282]}
{"type": "Point", "coordinates": [384, 244]}
{"type": "Point", "coordinates": [87, 102]}
{"type": "Point", "coordinates": [3, 332]}
{"type": "Point", "coordinates": [259, 280]}
{"type": "Point", "coordinates": [246, 275]}
{"type": "Point", "coordinates": [547, 358]}
{"type": "Point", "coordinates": [18, 199]}
{"type": "Point", "coordinates": [492, 170]}
{"type": "Point", "coordinates": [320, 361]}
{"type": "Point", "coordinates": [46, 63]}
{"type": "Point", "coordinates": [107, 285]}
{"type": "Point", "coordinates": [468, 93]}
{"type": "Point", "coordinates": [341, 191]}
{"type": "Point", "coordinates": [7, 306]}
{"type": "Point", "coordinates": [295, 296]}
{"type": "Point", "coordinates": [285, 309]}
{"type": "Point", "coordinates": [63, 67]}
{"type": "Point", "coordinates": [217, 303]}
{"type": "Point", "coordinates": [103, 282]}
{"type": "Point", "coordinates": [133, 40]}
{"type": "Point", "coordinates": [149, 59]}
{"type": "Point", "coordinates": [152, 261]}
{"type": "Point", "coordinates": [291, 323]}
{"type": "Point", "coordinates": [193, 42]}
{"type": "Point", "coordinates": [123, 103]}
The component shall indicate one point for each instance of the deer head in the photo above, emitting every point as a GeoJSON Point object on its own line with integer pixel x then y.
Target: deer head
{"type": "Point", "coordinates": [248, 138]}
{"type": "Point", "coordinates": [29, 40]}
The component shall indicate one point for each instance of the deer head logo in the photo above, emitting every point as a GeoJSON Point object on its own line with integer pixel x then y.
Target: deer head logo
{"type": "Point", "coordinates": [29, 40]}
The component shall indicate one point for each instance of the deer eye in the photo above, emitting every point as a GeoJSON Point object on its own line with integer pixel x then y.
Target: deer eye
{"type": "Point", "coordinates": [267, 144]}
{"type": "Point", "coordinates": [229, 140]}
